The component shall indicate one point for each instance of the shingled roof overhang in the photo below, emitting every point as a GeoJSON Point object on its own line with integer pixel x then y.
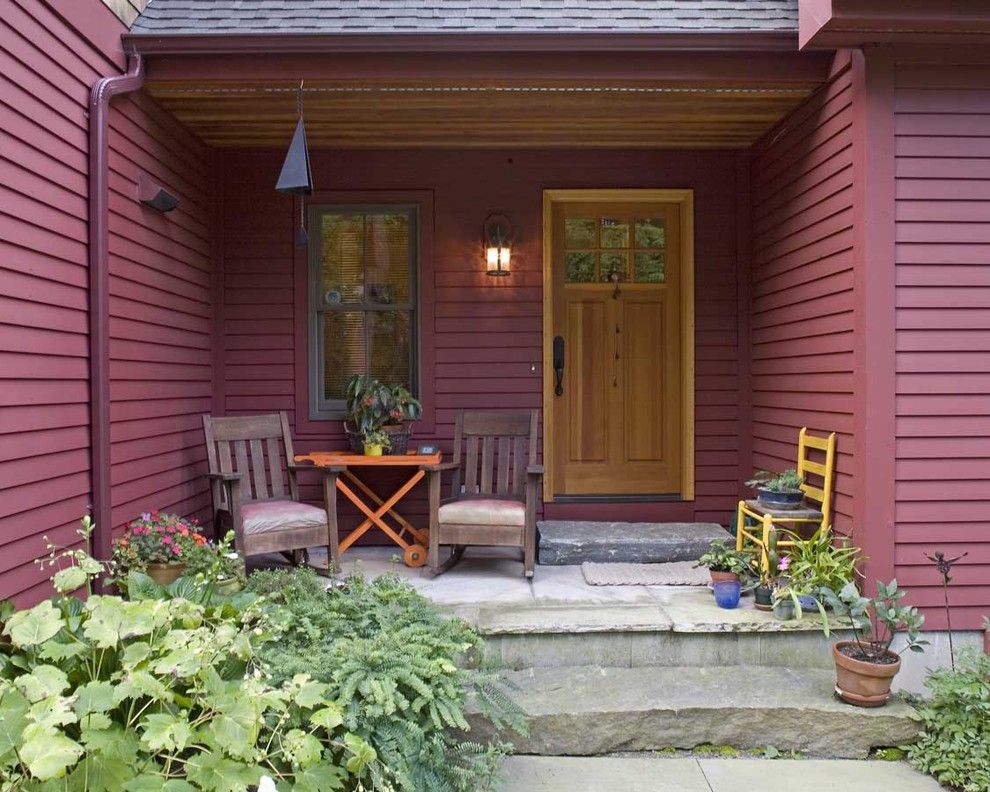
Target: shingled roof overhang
{"type": "Point", "coordinates": [537, 41]}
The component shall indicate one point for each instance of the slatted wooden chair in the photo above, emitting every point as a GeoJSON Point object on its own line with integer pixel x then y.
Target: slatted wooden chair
{"type": "Point", "coordinates": [494, 488]}
{"type": "Point", "coordinates": [819, 479]}
{"type": "Point", "coordinates": [251, 497]}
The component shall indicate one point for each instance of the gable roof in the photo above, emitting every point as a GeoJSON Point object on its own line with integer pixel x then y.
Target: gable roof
{"type": "Point", "coordinates": [183, 17]}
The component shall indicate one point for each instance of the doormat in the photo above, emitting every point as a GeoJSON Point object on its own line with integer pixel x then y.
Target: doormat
{"type": "Point", "coordinates": [676, 573]}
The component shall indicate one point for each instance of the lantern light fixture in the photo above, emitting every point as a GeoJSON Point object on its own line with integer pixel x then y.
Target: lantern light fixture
{"type": "Point", "coordinates": [497, 239]}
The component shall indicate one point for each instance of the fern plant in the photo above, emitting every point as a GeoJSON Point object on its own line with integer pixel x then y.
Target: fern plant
{"type": "Point", "coordinates": [400, 668]}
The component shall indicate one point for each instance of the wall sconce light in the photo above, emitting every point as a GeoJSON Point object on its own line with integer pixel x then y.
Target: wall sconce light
{"type": "Point", "coordinates": [497, 239]}
{"type": "Point", "coordinates": [152, 194]}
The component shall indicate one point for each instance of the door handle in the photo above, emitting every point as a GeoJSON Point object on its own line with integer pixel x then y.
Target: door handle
{"type": "Point", "coordinates": [558, 364]}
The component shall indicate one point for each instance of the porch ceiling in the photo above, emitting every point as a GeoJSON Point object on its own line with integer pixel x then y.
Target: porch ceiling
{"type": "Point", "coordinates": [472, 114]}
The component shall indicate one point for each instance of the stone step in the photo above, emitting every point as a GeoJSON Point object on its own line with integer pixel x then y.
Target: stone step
{"type": "Point", "coordinates": [576, 541]}
{"type": "Point", "coordinates": [589, 711]}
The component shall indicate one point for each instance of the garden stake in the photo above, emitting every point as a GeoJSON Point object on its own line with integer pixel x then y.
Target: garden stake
{"type": "Point", "coordinates": [944, 565]}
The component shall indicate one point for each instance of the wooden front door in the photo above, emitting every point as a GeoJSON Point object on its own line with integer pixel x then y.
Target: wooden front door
{"type": "Point", "coordinates": [616, 272]}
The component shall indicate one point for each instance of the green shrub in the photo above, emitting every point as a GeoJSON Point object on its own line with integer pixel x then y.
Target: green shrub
{"type": "Point", "coordinates": [396, 664]}
{"type": "Point", "coordinates": [160, 694]}
{"type": "Point", "coordinates": [955, 744]}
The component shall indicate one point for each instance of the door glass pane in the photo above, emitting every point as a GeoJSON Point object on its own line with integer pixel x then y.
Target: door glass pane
{"type": "Point", "coordinates": [617, 263]}
{"type": "Point", "coordinates": [342, 258]}
{"type": "Point", "coordinates": [343, 350]}
{"type": "Point", "coordinates": [579, 267]}
{"type": "Point", "coordinates": [389, 346]}
{"type": "Point", "coordinates": [579, 232]}
{"type": "Point", "coordinates": [650, 233]}
{"type": "Point", "coordinates": [614, 233]}
{"type": "Point", "coordinates": [650, 268]}
{"type": "Point", "coordinates": [387, 258]}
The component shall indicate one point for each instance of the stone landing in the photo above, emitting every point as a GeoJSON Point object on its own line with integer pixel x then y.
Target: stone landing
{"type": "Point", "coordinates": [576, 541]}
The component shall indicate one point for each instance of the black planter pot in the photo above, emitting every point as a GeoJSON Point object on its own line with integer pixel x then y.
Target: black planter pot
{"type": "Point", "coordinates": [763, 598]}
{"type": "Point", "coordinates": [788, 499]}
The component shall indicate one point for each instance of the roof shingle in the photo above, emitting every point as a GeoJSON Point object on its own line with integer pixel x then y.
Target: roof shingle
{"type": "Point", "coordinates": [176, 17]}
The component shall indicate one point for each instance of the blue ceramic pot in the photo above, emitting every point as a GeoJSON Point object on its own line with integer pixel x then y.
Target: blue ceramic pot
{"type": "Point", "coordinates": [808, 603]}
{"type": "Point", "coordinates": [727, 594]}
{"type": "Point", "coordinates": [791, 499]}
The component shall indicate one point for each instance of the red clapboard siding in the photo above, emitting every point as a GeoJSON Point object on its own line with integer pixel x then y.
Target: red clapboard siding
{"type": "Point", "coordinates": [942, 128]}
{"type": "Point", "coordinates": [487, 332]}
{"type": "Point", "coordinates": [160, 293]}
{"type": "Point", "coordinates": [801, 304]}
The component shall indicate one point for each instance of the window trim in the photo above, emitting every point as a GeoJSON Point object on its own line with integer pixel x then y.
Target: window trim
{"type": "Point", "coordinates": [321, 409]}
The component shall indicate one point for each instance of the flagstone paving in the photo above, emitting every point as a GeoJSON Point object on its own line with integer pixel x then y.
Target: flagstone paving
{"type": "Point", "coordinates": [628, 774]}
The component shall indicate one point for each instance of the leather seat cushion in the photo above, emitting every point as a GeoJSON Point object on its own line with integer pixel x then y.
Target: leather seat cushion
{"type": "Point", "coordinates": [276, 515]}
{"type": "Point", "coordinates": [483, 511]}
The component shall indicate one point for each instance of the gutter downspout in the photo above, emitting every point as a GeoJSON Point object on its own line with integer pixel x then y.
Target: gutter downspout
{"type": "Point", "coordinates": [99, 294]}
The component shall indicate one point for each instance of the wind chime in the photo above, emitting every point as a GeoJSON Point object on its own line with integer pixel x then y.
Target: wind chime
{"type": "Point", "coordinates": [296, 177]}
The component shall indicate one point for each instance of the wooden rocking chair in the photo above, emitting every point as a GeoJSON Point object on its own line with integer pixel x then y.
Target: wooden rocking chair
{"type": "Point", "coordinates": [496, 505]}
{"type": "Point", "coordinates": [250, 496]}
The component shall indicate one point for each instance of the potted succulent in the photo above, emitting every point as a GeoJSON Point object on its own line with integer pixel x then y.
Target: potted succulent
{"type": "Point", "coordinates": [375, 442]}
{"type": "Point", "coordinates": [778, 490]}
{"type": "Point", "coordinates": [866, 666]}
{"type": "Point", "coordinates": [767, 576]}
{"type": "Point", "coordinates": [158, 544]}
{"type": "Point", "coordinates": [724, 562]}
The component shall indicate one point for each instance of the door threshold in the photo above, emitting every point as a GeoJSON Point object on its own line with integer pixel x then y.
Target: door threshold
{"type": "Point", "coordinates": [670, 498]}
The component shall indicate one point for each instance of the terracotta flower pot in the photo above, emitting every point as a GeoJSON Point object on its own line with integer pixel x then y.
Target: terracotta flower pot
{"type": "Point", "coordinates": [718, 577]}
{"type": "Point", "coordinates": [861, 683]}
{"type": "Point", "coordinates": [165, 574]}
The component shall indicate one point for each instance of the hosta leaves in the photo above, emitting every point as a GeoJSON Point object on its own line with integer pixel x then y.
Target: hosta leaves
{"type": "Point", "coordinates": [320, 778]}
{"type": "Point", "coordinates": [164, 731]}
{"type": "Point", "coordinates": [34, 626]}
{"type": "Point", "coordinates": [93, 697]}
{"type": "Point", "coordinates": [13, 718]}
{"type": "Point", "coordinates": [302, 749]}
{"type": "Point", "coordinates": [49, 755]}
{"type": "Point", "coordinates": [216, 773]}
{"type": "Point", "coordinates": [69, 579]}
{"type": "Point", "coordinates": [329, 717]}
{"type": "Point", "coordinates": [42, 682]}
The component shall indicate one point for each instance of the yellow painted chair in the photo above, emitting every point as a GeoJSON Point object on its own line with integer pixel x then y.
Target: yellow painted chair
{"type": "Point", "coordinates": [819, 479]}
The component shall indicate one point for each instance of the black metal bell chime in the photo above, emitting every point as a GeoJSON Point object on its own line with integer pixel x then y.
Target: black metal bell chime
{"type": "Point", "coordinates": [296, 177]}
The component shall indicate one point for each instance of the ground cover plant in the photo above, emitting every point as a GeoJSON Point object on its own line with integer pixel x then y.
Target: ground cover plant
{"type": "Point", "coordinates": [955, 744]}
{"type": "Point", "coordinates": [396, 664]}
{"type": "Point", "coordinates": [161, 694]}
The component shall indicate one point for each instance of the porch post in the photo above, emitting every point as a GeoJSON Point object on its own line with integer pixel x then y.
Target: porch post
{"type": "Point", "coordinates": [875, 310]}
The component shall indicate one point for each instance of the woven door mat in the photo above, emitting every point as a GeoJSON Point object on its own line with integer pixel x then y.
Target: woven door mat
{"type": "Point", "coordinates": [676, 573]}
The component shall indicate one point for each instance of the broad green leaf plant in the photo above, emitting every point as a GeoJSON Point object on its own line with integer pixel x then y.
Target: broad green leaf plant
{"type": "Point", "coordinates": [160, 695]}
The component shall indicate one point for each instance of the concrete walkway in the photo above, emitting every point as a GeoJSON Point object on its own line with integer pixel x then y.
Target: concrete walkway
{"type": "Point", "coordinates": [605, 774]}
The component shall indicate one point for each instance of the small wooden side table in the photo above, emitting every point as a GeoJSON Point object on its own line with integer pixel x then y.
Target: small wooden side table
{"type": "Point", "coordinates": [339, 476]}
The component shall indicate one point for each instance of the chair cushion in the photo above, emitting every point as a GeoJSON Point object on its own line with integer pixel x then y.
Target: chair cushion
{"type": "Point", "coordinates": [482, 511]}
{"type": "Point", "coordinates": [276, 515]}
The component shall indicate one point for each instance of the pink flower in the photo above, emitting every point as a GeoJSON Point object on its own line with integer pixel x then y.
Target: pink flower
{"type": "Point", "coordinates": [784, 563]}
{"type": "Point", "coordinates": [166, 540]}
{"type": "Point", "coordinates": [138, 530]}
{"type": "Point", "coordinates": [176, 549]}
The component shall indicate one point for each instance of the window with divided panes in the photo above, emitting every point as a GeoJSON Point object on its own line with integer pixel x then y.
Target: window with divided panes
{"type": "Point", "coordinates": [599, 248]}
{"type": "Point", "coordinates": [362, 294]}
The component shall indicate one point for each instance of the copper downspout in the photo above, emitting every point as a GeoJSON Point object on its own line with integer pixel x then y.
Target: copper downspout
{"type": "Point", "coordinates": [99, 294]}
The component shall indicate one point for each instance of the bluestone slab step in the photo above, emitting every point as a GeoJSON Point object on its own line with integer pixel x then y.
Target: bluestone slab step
{"type": "Point", "coordinates": [589, 711]}
{"type": "Point", "coordinates": [577, 541]}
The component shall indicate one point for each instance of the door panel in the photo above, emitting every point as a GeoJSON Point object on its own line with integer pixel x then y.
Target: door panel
{"type": "Point", "coordinates": [585, 381]}
{"type": "Point", "coordinates": [616, 303]}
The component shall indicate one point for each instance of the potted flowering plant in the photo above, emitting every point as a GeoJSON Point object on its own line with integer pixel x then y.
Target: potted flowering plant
{"type": "Point", "coordinates": [159, 544]}
{"type": "Point", "coordinates": [375, 442]}
{"type": "Point", "coordinates": [373, 406]}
